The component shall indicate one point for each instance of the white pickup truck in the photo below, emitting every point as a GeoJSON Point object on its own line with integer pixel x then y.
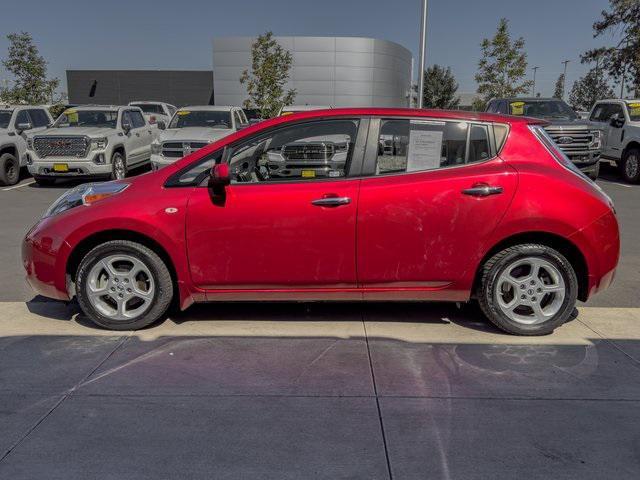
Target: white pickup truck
{"type": "Point", "coordinates": [619, 121]}
{"type": "Point", "coordinates": [91, 141]}
{"type": "Point", "coordinates": [16, 123]}
{"type": "Point", "coordinates": [191, 128]}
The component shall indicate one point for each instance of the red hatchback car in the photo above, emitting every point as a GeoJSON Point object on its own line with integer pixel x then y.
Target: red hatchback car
{"type": "Point", "coordinates": [349, 204]}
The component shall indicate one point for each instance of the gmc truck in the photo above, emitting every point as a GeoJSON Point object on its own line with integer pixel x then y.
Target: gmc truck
{"type": "Point", "coordinates": [91, 142]}
{"type": "Point", "coordinates": [16, 123]}
{"type": "Point", "coordinates": [577, 138]}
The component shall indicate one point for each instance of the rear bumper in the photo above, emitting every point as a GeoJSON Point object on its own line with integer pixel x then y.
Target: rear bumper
{"type": "Point", "coordinates": [600, 244]}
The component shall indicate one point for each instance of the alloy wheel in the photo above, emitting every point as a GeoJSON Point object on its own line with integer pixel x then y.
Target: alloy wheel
{"type": "Point", "coordinates": [119, 169]}
{"type": "Point", "coordinates": [120, 287]}
{"type": "Point", "coordinates": [530, 291]}
{"type": "Point", "coordinates": [632, 165]}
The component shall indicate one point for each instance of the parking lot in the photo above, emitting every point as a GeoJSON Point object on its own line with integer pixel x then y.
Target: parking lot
{"type": "Point", "coordinates": [317, 390]}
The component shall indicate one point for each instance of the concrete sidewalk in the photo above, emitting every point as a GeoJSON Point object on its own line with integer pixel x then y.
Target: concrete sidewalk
{"type": "Point", "coordinates": [303, 391]}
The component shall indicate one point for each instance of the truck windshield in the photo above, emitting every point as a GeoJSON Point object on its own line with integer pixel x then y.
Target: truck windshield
{"type": "Point", "coordinates": [87, 118]}
{"type": "Point", "coordinates": [633, 109]}
{"type": "Point", "coordinates": [149, 108]}
{"type": "Point", "coordinates": [201, 118]}
{"type": "Point", "coordinates": [542, 109]}
{"type": "Point", "coordinates": [5, 118]}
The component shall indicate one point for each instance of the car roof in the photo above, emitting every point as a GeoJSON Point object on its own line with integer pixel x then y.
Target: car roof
{"type": "Point", "coordinates": [303, 108]}
{"type": "Point", "coordinates": [210, 108]}
{"type": "Point", "coordinates": [8, 106]}
{"type": "Point", "coordinates": [462, 115]}
{"type": "Point", "coordinates": [530, 99]}
{"type": "Point", "coordinates": [147, 102]}
{"type": "Point", "coordinates": [625, 100]}
{"type": "Point", "coordinates": [100, 107]}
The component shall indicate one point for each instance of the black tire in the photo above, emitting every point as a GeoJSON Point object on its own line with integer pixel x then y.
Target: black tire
{"type": "Point", "coordinates": [44, 181]}
{"type": "Point", "coordinates": [625, 171]}
{"type": "Point", "coordinates": [116, 158]}
{"type": "Point", "coordinates": [595, 173]}
{"type": "Point", "coordinates": [9, 169]}
{"type": "Point", "coordinates": [492, 269]}
{"type": "Point", "coordinates": [162, 280]}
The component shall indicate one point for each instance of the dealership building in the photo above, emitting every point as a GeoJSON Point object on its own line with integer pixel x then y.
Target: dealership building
{"type": "Point", "coordinates": [335, 71]}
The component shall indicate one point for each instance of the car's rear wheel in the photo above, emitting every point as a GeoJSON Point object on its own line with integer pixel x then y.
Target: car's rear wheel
{"type": "Point", "coordinates": [123, 285]}
{"type": "Point", "coordinates": [9, 169]}
{"type": "Point", "coordinates": [630, 165]}
{"type": "Point", "coordinates": [528, 289]}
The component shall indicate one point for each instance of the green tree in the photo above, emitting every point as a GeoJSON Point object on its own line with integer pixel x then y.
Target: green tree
{"type": "Point", "coordinates": [503, 65]}
{"type": "Point", "coordinates": [589, 89]}
{"type": "Point", "coordinates": [265, 83]}
{"type": "Point", "coordinates": [440, 88]}
{"type": "Point", "coordinates": [558, 92]}
{"type": "Point", "coordinates": [29, 70]}
{"type": "Point", "coordinates": [622, 61]}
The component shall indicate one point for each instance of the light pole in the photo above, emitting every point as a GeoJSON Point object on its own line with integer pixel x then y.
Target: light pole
{"type": "Point", "coordinates": [533, 87]}
{"type": "Point", "coordinates": [423, 43]}
{"type": "Point", "coordinates": [564, 77]}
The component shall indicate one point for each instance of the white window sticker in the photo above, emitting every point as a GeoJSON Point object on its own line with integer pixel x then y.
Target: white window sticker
{"type": "Point", "coordinates": [425, 149]}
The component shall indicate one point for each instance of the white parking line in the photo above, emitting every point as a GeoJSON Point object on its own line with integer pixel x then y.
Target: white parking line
{"type": "Point", "coordinates": [616, 183]}
{"type": "Point", "coordinates": [19, 186]}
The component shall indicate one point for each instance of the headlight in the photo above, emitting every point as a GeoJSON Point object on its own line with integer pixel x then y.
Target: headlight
{"type": "Point", "coordinates": [98, 143]}
{"type": "Point", "coordinates": [156, 148]}
{"type": "Point", "coordinates": [86, 194]}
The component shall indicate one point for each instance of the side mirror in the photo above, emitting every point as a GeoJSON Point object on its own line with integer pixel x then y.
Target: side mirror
{"type": "Point", "coordinates": [220, 175]}
{"type": "Point", "coordinates": [126, 126]}
{"type": "Point", "coordinates": [162, 125]}
{"type": "Point", "coordinates": [616, 121]}
{"type": "Point", "coordinates": [21, 127]}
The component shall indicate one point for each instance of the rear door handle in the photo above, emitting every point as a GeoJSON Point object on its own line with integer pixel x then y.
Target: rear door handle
{"type": "Point", "coordinates": [482, 190]}
{"type": "Point", "coordinates": [331, 201]}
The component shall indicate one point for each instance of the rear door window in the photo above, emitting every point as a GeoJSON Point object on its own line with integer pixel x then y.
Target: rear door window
{"type": "Point", "coordinates": [419, 145]}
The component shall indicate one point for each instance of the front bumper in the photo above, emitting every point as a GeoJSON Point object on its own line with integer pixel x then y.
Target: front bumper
{"type": "Point", "coordinates": [96, 165]}
{"type": "Point", "coordinates": [586, 161]}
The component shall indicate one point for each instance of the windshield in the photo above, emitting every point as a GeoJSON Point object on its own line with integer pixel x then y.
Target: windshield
{"type": "Point", "coordinates": [542, 109]}
{"type": "Point", "coordinates": [5, 118]}
{"type": "Point", "coordinates": [632, 108]}
{"type": "Point", "coordinates": [201, 118]}
{"type": "Point", "coordinates": [87, 118]}
{"type": "Point", "coordinates": [149, 108]}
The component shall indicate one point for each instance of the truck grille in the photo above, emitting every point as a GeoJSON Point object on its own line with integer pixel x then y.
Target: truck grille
{"type": "Point", "coordinates": [61, 146]}
{"type": "Point", "coordinates": [308, 151]}
{"type": "Point", "coordinates": [571, 142]}
{"type": "Point", "coordinates": [180, 149]}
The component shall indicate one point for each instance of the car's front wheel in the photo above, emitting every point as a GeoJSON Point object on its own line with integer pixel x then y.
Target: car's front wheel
{"type": "Point", "coordinates": [528, 289]}
{"type": "Point", "coordinates": [630, 165]}
{"type": "Point", "coordinates": [123, 285]}
{"type": "Point", "coordinates": [118, 166]}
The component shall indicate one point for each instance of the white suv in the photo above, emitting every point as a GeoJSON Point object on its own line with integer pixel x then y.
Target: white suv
{"type": "Point", "coordinates": [192, 128]}
{"type": "Point", "coordinates": [91, 141]}
{"type": "Point", "coordinates": [619, 121]}
{"type": "Point", "coordinates": [16, 123]}
{"type": "Point", "coordinates": [155, 112]}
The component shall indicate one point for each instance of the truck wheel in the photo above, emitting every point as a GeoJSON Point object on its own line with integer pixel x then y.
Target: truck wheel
{"type": "Point", "coordinates": [9, 169]}
{"type": "Point", "coordinates": [123, 285]}
{"type": "Point", "coordinates": [630, 165]}
{"type": "Point", "coordinates": [528, 289]}
{"type": "Point", "coordinates": [595, 173]}
{"type": "Point", "coordinates": [44, 181]}
{"type": "Point", "coordinates": [118, 166]}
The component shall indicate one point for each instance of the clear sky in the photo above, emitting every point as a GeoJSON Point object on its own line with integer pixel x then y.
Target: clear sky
{"type": "Point", "coordinates": [176, 34]}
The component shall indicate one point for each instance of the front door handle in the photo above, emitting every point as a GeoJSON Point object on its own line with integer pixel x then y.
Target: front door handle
{"type": "Point", "coordinates": [482, 190]}
{"type": "Point", "coordinates": [331, 201]}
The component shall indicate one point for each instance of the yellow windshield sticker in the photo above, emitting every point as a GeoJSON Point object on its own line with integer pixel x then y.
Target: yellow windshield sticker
{"type": "Point", "coordinates": [72, 115]}
{"type": "Point", "coordinates": [308, 173]}
{"type": "Point", "coordinates": [634, 109]}
{"type": "Point", "coordinates": [286, 113]}
{"type": "Point", "coordinates": [517, 108]}
{"type": "Point", "coordinates": [182, 112]}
